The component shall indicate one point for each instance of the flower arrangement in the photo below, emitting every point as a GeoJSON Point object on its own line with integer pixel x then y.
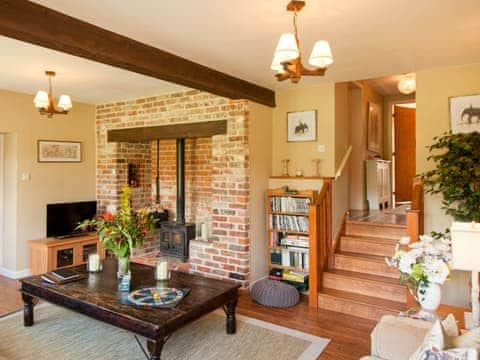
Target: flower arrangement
{"type": "Point", "coordinates": [122, 231]}
{"type": "Point", "coordinates": [427, 262]}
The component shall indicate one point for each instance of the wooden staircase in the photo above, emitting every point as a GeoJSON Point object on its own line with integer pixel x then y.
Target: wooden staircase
{"type": "Point", "coordinates": [358, 281]}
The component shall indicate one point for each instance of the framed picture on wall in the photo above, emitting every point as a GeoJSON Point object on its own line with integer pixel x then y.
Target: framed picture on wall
{"type": "Point", "coordinates": [374, 127]}
{"type": "Point", "coordinates": [465, 113]}
{"type": "Point", "coordinates": [58, 151]}
{"type": "Point", "coordinates": [302, 126]}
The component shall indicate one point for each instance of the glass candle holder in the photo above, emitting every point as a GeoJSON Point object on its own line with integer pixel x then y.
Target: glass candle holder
{"type": "Point", "coordinates": [162, 272]}
{"type": "Point", "coordinates": [94, 263]}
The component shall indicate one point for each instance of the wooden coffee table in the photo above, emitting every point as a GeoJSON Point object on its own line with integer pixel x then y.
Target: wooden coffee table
{"type": "Point", "coordinates": [97, 296]}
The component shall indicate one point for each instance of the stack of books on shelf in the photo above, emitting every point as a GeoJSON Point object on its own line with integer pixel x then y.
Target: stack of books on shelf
{"type": "Point", "coordinates": [289, 204]}
{"type": "Point", "coordinates": [286, 239]}
{"type": "Point", "coordinates": [294, 278]}
{"type": "Point", "coordinates": [291, 257]}
{"type": "Point", "coordinates": [289, 223]}
{"type": "Point", "coordinates": [298, 241]}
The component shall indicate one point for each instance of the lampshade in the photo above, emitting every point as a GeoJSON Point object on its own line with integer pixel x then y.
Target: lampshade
{"type": "Point", "coordinates": [65, 102]}
{"type": "Point", "coordinates": [465, 246]}
{"type": "Point", "coordinates": [287, 49]}
{"type": "Point", "coordinates": [41, 99]}
{"type": "Point", "coordinates": [407, 84]}
{"type": "Point", "coordinates": [321, 55]}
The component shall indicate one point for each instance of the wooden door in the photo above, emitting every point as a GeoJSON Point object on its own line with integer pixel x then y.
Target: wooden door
{"type": "Point", "coordinates": [404, 153]}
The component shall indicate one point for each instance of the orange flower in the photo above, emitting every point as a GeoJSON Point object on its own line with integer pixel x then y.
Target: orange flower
{"type": "Point", "coordinates": [108, 216]}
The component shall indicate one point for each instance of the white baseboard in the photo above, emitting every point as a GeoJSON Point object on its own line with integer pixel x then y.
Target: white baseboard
{"type": "Point", "coordinates": [14, 274]}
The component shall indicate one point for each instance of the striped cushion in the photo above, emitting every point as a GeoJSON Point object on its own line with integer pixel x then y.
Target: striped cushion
{"type": "Point", "coordinates": [274, 293]}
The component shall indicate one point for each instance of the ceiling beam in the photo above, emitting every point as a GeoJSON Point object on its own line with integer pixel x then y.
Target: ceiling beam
{"type": "Point", "coordinates": [149, 133]}
{"type": "Point", "coordinates": [39, 25]}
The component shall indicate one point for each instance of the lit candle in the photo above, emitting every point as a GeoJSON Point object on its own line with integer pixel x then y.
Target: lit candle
{"type": "Point", "coordinates": [161, 272]}
{"type": "Point", "coordinates": [93, 262]}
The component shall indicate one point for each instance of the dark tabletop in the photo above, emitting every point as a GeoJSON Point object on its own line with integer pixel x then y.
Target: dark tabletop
{"type": "Point", "coordinates": [97, 296]}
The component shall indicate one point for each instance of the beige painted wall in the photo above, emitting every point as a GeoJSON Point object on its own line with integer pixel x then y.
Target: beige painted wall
{"type": "Point", "coordinates": [301, 154]}
{"type": "Point", "coordinates": [260, 141]}
{"type": "Point", "coordinates": [342, 123]}
{"type": "Point", "coordinates": [360, 96]}
{"type": "Point", "coordinates": [25, 201]}
{"type": "Point", "coordinates": [341, 191]}
{"type": "Point", "coordinates": [434, 87]}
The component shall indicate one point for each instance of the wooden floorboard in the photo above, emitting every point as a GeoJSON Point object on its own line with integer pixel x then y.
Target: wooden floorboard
{"type": "Point", "coordinates": [349, 335]}
{"type": "Point", "coordinates": [10, 299]}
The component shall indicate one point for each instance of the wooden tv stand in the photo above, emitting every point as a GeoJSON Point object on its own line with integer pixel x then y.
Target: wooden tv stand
{"type": "Point", "coordinates": [48, 254]}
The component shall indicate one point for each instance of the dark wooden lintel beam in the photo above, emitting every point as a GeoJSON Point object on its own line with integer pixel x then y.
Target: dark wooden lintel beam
{"type": "Point", "coordinates": [39, 25]}
{"type": "Point", "coordinates": [189, 130]}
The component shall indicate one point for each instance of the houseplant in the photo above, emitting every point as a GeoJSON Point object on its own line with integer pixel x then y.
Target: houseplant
{"type": "Point", "coordinates": [424, 267]}
{"type": "Point", "coordinates": [122, 231]}
{"type": "Point", "coordinates": [456, 175]}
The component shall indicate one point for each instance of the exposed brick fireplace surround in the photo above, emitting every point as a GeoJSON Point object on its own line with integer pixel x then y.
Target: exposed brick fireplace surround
{"type": "Point", "coordinates": [216, 169]}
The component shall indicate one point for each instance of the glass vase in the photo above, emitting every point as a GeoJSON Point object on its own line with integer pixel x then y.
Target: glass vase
{"type": "Point", "coordinates": [123, 274]}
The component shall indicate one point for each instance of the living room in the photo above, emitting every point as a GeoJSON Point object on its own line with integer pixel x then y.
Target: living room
{"type": "Point", "coordinates": [209, 153]}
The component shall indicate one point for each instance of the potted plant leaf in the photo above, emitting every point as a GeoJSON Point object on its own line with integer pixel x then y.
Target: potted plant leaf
{"type": "Point", "coordinates": [456, 177]}
{"type": "Point", "coordinates": [121, 232]}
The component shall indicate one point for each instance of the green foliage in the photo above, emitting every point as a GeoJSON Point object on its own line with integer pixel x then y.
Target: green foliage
{"type": "Point", "coordinates": [123, 231]}
{"type": "Point", "coordinates": [456, 175]}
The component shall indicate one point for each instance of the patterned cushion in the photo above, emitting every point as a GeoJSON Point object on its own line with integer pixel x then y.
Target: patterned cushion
{"type": "Point", "coordinates": [274, 293]}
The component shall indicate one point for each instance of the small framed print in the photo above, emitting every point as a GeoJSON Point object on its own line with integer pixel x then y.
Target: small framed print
{"type": "Point", "coordinates": [58, 151]}
{"type": "Point", "coordinates": [465, 114]}
{"type": "Point", "coordinates": [302, 126]}
{"type": "Point", "coordinates": [374, 127]}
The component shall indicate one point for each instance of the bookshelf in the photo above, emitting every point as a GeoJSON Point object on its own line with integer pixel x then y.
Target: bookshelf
{"type": "Point", "coordinates": [289, 230]}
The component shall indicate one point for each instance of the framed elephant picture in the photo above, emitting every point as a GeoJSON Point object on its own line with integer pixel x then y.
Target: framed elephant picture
{"type": "Point", "coordinates": [302, 126]}
{"type": "Point", "coordinates": [465, 113]}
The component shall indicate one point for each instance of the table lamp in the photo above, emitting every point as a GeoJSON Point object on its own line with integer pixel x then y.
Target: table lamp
{"type": "Point", "coordinates": [465, 253]}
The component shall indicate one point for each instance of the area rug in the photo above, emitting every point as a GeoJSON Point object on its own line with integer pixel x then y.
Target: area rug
{"type": "Point", "coordinates": [62, 334]}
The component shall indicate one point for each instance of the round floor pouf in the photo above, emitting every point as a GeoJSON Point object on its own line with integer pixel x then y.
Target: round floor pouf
{"type": "Point", "coordinates": [274, 293]}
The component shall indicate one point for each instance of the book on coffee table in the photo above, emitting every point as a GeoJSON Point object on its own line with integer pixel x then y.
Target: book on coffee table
{"type": "Point", "coordinates": [62, 276]}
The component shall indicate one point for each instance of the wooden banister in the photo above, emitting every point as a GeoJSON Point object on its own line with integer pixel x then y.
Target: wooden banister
{"type": "Point", "coordinates": [415, 224]}
{"type": "Point", "coordinates": [415, 215]}
{"type": "Point", "coordinates": [320, 240]}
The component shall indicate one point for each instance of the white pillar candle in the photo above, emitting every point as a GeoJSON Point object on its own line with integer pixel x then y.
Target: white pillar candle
{"type": "Point", "coordinates": [161, 272]}
{"type": "Point", "coordinates": [93, 262]}
{"type": "Point", "coordinates": [203, 231]}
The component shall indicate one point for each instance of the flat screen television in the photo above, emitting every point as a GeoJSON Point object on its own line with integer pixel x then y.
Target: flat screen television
{"type": "Point", "coordinates": [62, 219]}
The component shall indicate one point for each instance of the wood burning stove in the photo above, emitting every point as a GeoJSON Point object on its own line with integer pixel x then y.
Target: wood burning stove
{"type": "Point", "coordinates": [175, 236]}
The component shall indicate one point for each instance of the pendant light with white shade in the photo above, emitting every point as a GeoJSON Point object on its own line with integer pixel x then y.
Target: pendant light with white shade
{"type": "Point", "coordinates": [287, 59]}
{"type": "Point", "coordinates": [44, 101]}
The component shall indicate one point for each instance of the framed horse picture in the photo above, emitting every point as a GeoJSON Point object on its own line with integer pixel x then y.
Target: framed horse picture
{"type": "Point", "coordinates": [302, 126]}
{"type": "Point", "coordinates": [465, 114]}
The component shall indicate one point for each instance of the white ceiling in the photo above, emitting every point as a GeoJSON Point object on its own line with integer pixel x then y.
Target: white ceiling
{"type": "Point", "coordinates": [369, 39]}
{"type": "Point", "coordinates": [22, 69]}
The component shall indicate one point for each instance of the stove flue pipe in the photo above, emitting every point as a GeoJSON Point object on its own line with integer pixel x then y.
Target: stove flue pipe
{"type": "Point", "coordinates": [181, 181]}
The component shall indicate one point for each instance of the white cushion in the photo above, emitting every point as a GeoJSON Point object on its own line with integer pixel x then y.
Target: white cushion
{"type": "Point", "coordinates": [433, 340]}
{"type": "Point", "coordinates": [396, 338]}
{"type": "Point", "coordinates": [470, 339]}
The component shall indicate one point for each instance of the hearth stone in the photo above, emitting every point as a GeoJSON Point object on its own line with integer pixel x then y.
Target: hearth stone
{"type": "Point", "coordinates": [175, 239]}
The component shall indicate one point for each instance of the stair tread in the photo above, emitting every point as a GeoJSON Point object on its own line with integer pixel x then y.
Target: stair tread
{"type": "Point", "coordinates": [364, 299]}
{"type": "Point", "coordinates": [377, 240]}
{"type": "Point", "coordinates": [365, 276]}
{"type": "Point", "coordinates": [376, 258]}
{"type": "Point", "coordinates": [377, 223]}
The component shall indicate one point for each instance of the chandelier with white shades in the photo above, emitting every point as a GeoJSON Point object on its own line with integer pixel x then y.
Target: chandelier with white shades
{"type": "Point", "coordinates": [287, 59]}
{"type": "Point", "coordinates": [44, 101]}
